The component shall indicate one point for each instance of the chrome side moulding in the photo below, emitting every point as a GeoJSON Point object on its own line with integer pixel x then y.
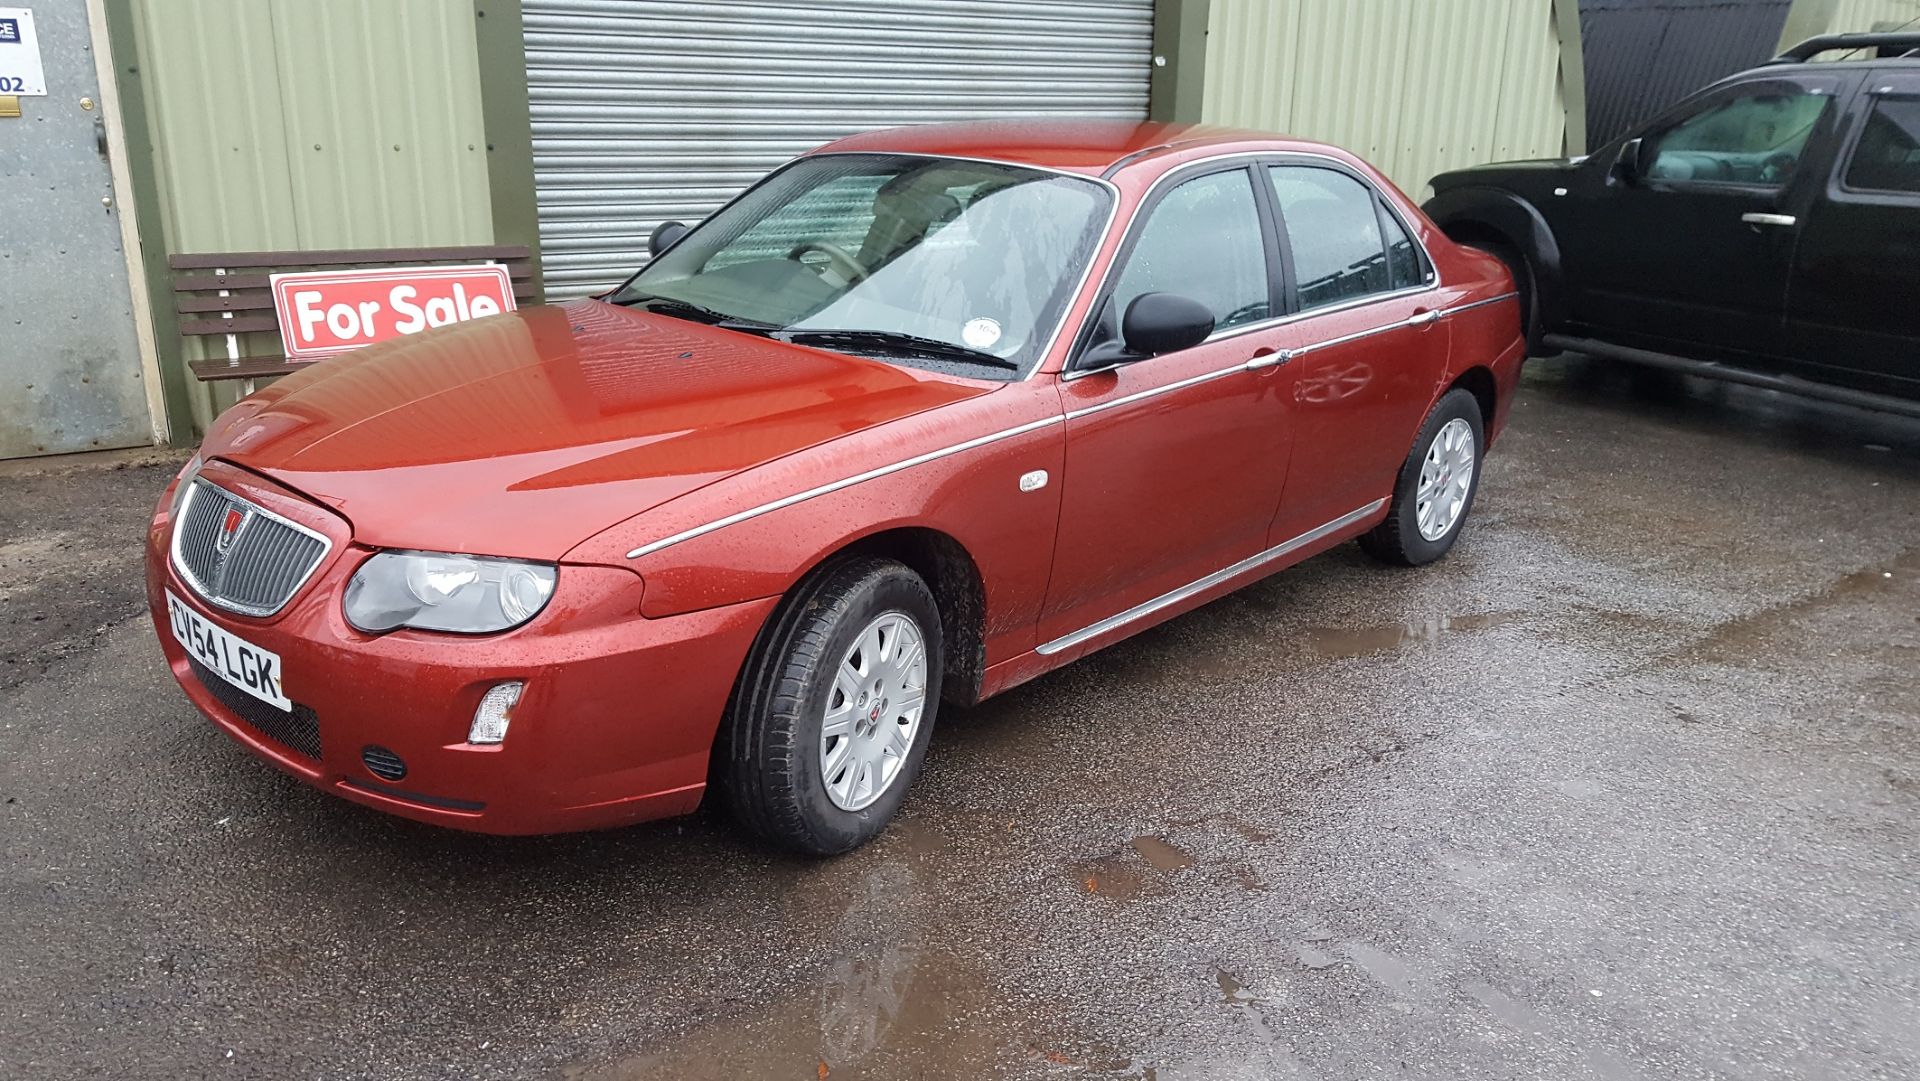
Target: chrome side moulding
{"type": "Point", "coordinates": [1147, 608]}
{"type": "Point", "coordinates": [1193, 380]}
{"type": "Point", "coordinates": [827, 489]}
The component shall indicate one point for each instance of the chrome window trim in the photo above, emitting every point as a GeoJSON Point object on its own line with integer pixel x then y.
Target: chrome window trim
{"type": "Point", "coordinates": [1201, 585]}
{"type": "Point", "coordinates": [1086, 272]}
{"type": "Point", "coordinates": [1284, 356]}
{"type": "Point", "coordinates": [1274, 157]}
{"type": "Point", "coordinates": [828, 489]}
{"type": "Point", "coordinates": [200, 588]}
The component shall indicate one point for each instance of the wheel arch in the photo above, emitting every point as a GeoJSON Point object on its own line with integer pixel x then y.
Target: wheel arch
{"type": "Point", "coordinates": [1481, 216]}
{"type": "Point", "coordinates": [1479, 381]}
{"type": "Point", "coordinates": [959, 591]}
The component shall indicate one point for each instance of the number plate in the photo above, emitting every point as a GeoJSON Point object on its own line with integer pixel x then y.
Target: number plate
{"type": "Point", "coordinates": [232, 658]}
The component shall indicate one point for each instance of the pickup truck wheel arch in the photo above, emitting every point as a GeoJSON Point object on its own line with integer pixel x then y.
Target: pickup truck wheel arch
{"type": "Point", "coordinates": [1492, 219]}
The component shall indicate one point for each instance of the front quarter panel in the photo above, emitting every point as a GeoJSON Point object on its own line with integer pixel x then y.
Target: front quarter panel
{"type": "Point", "coordinates": [903, 475]}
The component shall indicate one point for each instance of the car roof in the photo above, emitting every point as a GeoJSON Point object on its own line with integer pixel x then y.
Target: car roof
{"type": "Point", "coordinates": [1078, 145]}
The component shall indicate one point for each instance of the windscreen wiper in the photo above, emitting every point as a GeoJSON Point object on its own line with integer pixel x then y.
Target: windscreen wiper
{"type": "Point", "coordinates": [686, 309]}
{"type": "Point", "coordinates": [897, 341]}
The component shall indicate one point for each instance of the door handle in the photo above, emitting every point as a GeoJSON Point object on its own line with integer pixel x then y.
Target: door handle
{"type": "Point", "coordinates": [1424, 319]}
{"type": "Point", "coordinates": [1268, 357]}
{"type": "Point", "coordinates": [1782, 221]}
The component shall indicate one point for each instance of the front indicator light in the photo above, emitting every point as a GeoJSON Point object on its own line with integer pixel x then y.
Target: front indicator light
{"type": "Point", "coordinates": [495, 713]}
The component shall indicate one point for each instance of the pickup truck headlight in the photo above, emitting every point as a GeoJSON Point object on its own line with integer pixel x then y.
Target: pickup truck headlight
{"type": "Point", "coordinates": [433, 591]}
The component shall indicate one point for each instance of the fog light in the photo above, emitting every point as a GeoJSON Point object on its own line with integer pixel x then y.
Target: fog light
{"type": "Point", "coordinates": [496, 710]}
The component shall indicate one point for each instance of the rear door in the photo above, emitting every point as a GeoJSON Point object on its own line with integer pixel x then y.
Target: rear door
{"type": "Point", "coordinates": [1854, 316]}
{"type": "Point", "coordinates": [1694, 256]}
{"type": "Point", "coordinates": [1370, 346]}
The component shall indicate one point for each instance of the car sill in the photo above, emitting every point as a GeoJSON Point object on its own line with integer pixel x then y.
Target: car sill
{"type": "Point", "coordinates": [1141, 611]}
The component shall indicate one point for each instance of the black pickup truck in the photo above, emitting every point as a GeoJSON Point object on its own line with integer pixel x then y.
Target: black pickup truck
{"type": "Point", "coordinates": [1765, 230]}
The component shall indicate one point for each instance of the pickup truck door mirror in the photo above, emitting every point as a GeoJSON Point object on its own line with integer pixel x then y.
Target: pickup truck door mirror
{"type": "Point", "coordinates": [665, 235]}
{"type": "Point", "coordinates": [1627, 167]}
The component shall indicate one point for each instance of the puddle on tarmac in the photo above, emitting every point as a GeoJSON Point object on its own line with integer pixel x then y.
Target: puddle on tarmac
{"type": "Point", "coordinates": [1122, 876]}
{"type": "Point", "coordinates": [887, 1002]}
{"type": "Point", "coordinates": [1745, 636]}
{"type": "Point", "coordinates": [1163, 856]}
{"type": "Point", "coordinates": [1335, 642]}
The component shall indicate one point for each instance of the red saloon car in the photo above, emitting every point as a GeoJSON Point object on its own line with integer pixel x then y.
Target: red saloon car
{"type": "Point", "coordinates": [916, 418]}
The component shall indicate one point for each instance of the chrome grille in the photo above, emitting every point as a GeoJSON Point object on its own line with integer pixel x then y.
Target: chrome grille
{"type": "Point", "coordinates": [239, 555]}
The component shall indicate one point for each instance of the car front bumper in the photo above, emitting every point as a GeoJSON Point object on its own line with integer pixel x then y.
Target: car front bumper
{"type": "Point", "coordinates": [614, 726]}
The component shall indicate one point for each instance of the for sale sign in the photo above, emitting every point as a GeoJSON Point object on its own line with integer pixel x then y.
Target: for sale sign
{"type": "Point", "coordinates": [324, 312]}
{"type": "Point", "coordinates": [20, 70]}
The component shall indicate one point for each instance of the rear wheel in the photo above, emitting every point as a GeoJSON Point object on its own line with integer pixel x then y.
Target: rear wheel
{"type": "Point", "coordinates": [1436, 485]}
{"type": "Point", "coordinates": [830, 721]}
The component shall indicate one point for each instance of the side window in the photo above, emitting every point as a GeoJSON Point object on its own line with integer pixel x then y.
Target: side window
{"type": "Point", "coordinates": [1753, 139]}
{"type": "Point", "coordinates": [1202, 240]}
{"type": "Point", "coordinates": [1404, 269]}
{"type": "Point", "coordinates": [1333, 230]}
{"type": "Point", "coordinates": [1888, 157]}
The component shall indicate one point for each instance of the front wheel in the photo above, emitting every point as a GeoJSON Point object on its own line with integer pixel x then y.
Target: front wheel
{"type": "Point", "coordinates": [1436, 485]}
{"type": "Point", "coordinates": [830, 721]}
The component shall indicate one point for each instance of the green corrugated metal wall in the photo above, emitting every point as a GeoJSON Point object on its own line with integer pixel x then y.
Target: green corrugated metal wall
{"type": "Point", "coordinates": [1413, 86]}
{"type": "Point", "coordinates": [306, 124]}
{"type": "Point", "coordinates": [1870, 14]}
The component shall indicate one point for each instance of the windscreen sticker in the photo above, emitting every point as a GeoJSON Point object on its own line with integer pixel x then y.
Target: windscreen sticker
{"type": "Point", "coordinates": [980, 333]}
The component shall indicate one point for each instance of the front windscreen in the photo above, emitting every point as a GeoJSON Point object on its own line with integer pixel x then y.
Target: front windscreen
{"type": "Point", "coordinates": [980, 256]}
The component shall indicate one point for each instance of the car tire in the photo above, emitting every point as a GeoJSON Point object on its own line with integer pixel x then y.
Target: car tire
{"type": "Point", "coordinates": [774, 754]}
{"type": "Point", "coordinates": [1419, 529]}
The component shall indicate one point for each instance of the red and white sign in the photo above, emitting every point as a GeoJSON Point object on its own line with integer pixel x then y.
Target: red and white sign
{"type": "Point", "coordinates": [324, 312]}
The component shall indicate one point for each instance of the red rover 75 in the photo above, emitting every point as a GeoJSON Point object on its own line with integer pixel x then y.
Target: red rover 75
{"type": "Point", "coordinates": [916, 418]}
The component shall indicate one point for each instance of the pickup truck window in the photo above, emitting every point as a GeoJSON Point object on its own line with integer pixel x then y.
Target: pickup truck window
{"type": "Point", "coordinates": [1888, 157]}
{"type": "Point", "coordinates": [1754, 139]}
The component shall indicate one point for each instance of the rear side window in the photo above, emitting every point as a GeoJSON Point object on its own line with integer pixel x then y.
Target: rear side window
{"type": "Point", "coordinates": [1334, 227]}
{"type": "Point", "coordinates": [1888, 157]}
{"type": "Point", "coordinates": [1404, 269]}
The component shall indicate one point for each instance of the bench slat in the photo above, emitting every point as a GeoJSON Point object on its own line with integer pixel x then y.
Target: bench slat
{"type": "Point", "coordinates": [198, 283]}
{"type": "Point", "coordinates": [344, 256]}
{"type": "Point", "coordinates": [209, 371]}
{"type": "Point", "coordinates": [239, 324]}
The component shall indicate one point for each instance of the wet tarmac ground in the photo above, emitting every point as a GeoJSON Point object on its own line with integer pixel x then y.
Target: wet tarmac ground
{"type": "Point", "coordinates": [1626, 787]}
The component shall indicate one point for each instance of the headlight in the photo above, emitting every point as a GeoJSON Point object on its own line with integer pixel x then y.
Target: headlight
{"type": "Point", "coordinates": [430, 591]}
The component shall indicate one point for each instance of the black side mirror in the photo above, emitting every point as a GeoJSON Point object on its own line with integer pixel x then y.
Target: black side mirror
{"type": "Point", "coordinates": [1626, 167]}
{"type": "Point", "coordinates": [1158, 323]}
{"type": "Point", "coordinates": [665, 235]}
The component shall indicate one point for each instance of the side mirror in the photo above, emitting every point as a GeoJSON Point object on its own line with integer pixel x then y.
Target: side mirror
{"type": "Point", "coordinates": [1158, 323]}
{"type": "Point", "coordinates": [665, 235]}
{"type": "Point", "coordinates": [1627, 165]}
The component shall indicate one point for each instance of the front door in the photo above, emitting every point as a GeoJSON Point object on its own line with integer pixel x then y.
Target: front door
{"type": "Point", "coordinates": [70, 363]}
{"type": "Point", "coordinates": [1174, 463]}
{"type": "Point", "coordinates": [1853, 316]}
{"type": "Point", "coordinates": [1692, 252]}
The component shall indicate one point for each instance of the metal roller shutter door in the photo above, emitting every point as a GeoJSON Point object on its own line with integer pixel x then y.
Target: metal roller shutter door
{"type": "Point", "coordinates": [651, 110]}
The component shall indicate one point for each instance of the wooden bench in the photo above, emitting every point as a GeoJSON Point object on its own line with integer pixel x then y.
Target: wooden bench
{"type": "Point", "coordinates": [224, 295]}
